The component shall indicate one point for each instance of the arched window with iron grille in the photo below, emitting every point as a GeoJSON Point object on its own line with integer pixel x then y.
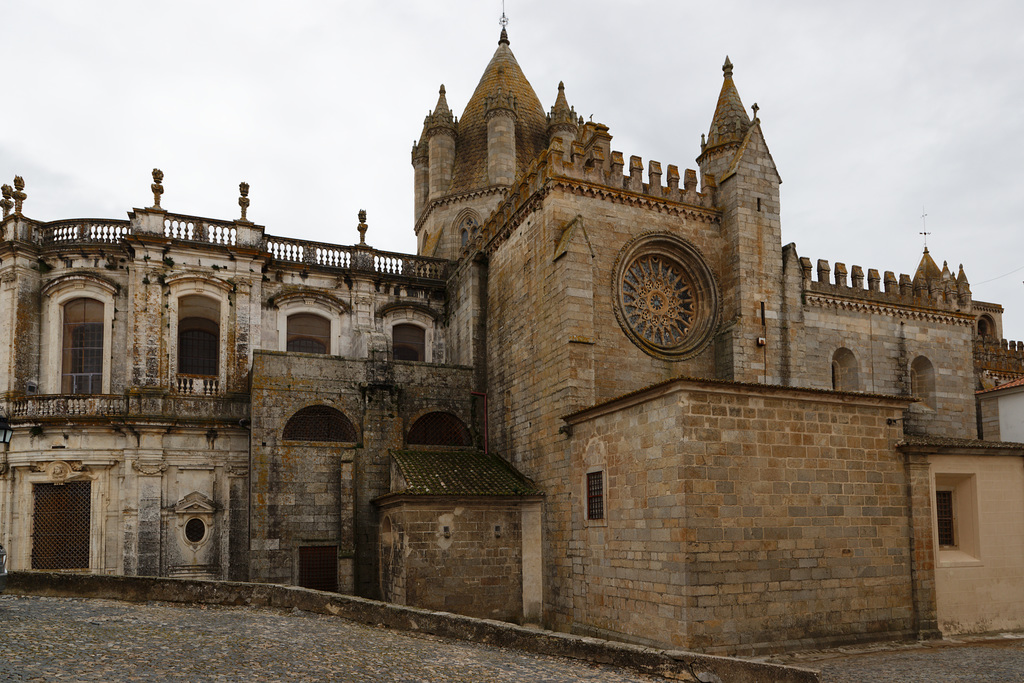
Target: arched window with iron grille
{"type": "Point", "coordinates": [319, 423]}
{"type": "Point", "coordinates": [438, 429]}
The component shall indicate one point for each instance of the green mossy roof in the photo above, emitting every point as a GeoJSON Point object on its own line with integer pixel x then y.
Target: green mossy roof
{"type": "Point", "coordinates": [460, 473]}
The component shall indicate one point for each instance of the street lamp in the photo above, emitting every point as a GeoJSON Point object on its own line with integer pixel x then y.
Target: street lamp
{"type": "Point", "coordinates": [5, 427]}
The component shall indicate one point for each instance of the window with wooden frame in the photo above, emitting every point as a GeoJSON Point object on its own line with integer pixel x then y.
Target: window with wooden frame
{"type": "Point", "coordinates": [82, 353]}
{"type": "Point", "coordinates": [309, 333]}
{"type": "Point", "coordinates": [409, 342]}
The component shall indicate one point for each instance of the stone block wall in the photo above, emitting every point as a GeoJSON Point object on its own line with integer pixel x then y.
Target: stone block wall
{"type": "Point", "coordinates": [461, 556]}
{"type": "Point", "coordinates": [740, 519]}
{"type": "Point", "coordinates": [321, 493]}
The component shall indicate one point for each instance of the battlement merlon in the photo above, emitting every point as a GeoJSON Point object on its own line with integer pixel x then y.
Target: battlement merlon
{"type": "Point", "coordinates": [942, 292]}
{"type": "Point", "coordinates": [999, 359]}
{"type": "Point", "coordinates": [593, 161]}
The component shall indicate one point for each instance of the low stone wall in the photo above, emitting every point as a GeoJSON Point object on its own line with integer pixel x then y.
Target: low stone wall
{"type": "Point", "coordinates": [673, 664]}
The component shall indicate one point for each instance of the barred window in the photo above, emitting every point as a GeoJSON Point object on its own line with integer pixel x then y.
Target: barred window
{"type": "Point", "coordinates": [198, 336]}
{"type": "Point", "coordinates": [438, 429]}
{"type": "Point", "coordinates": [82, 356]}
{"type": "Point", "coordinates": [309, 333]}
{"type": "Point", "coordinates": [595, 495]}
{"type": "Point", "coordinates": [319, 423]}
{"type": "Point", "coordinates": [944, 518]}
{"type": "Point", "coordinates": [198, 339]}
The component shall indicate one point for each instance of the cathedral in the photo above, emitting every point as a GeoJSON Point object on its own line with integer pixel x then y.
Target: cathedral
{"type": "Point", "coordinates": [603, 397]}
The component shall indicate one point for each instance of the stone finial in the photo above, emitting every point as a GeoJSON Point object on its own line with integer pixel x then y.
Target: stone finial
{"type": "Point", "coordinates": [157, 187]}
{"type": "Point", "coordinates": [727, 67]}
{"type": "Point", "coordinates": [8, 201]}
{"type": "Point", "coordinates": [755, 109]}
{"type": "Point", "coordinates": [243, 200]}
{"type": "Point", "coordinates": [503, 38]}
{"type": "Point", "coordinates": [18, 194]}
{"type": "Point", "coordinates": [362, 227]}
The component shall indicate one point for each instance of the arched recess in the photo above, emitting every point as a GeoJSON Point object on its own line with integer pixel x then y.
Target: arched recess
{"type": "Point", "coordinates": [986, 326]}
{"type": "Point", "coordinates": [922, 381]}
{"type": "Point", "coordinates": [57, 295]}
{"type": "Point", "coordinates": [319, 423]}
{"type": "Point", "coordinates": [293, 305]}
{"type": "Point", "coordinates": [401, 321]}
{"type": "Point", "coordinates": [845, 371]}
{"type": "Point", "coordinates": [198, 321]}
{"type": "Point", "coordinates": [438, 429]}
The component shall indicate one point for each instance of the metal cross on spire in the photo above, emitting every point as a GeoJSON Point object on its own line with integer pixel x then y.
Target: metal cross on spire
{"type": "Point", "coordinates": [504, 20]}
{"type": "Point", "coordinates": [924, 228]}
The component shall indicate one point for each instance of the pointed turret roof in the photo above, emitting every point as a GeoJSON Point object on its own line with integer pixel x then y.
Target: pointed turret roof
{"type": "Point", "coordinates": [502, 74]}
{"type": "Point", "coordinates": [561, 112]}
{"type": "Point", "coordinates": [730, 121]}
{"type": "Point", "coordinates": [927, 269]}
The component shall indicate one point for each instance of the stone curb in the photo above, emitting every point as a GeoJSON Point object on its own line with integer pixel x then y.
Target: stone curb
{"type": "Point", "coordinates": [673, 664]}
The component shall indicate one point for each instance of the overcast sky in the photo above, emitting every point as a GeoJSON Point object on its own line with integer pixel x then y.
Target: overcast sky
{"type": "Point", "coordinates": [873, 110]}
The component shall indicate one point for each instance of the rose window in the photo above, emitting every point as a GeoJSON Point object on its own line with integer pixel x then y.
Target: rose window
{"type": "Point", "coordinates": [657, 300]}
{"type": "Point", "coordinates": [666, 296]}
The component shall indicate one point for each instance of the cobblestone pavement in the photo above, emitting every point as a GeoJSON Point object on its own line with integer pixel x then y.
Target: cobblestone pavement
{"type": "Point", "coordinates": [68, 639]}
{"type": "Point", "coordinates": [988, 659]}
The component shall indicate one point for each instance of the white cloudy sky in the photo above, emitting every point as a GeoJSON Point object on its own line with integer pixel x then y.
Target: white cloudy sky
{"type": "Point", "coordinates": [872, 109]}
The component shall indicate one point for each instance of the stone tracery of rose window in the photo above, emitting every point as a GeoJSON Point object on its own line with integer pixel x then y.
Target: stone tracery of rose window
{"type": "Point", "coordinates": [657, 300]}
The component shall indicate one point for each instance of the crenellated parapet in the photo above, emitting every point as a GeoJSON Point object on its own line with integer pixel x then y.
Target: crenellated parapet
{"type": "Point", "coordinates": [998, 361]}
{"type": "Point", "coordinates": [933, 294]}
{"type": "Point", "coordinates": [590, 168]}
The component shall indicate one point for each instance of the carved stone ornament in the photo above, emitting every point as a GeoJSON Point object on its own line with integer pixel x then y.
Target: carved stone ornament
{"type": "Point", "coordinates": [149, 470]}
{"type": "Point", "coordinates": [60, 471]}
{"type": "Point", "coordinates": [666, 297]}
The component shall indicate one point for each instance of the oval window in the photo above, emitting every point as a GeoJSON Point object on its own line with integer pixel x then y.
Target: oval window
{"type": "Point", "coordinates": [195, 530]}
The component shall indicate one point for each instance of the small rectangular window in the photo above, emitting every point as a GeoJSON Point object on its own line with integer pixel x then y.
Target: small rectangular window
{"type": "Point", "coordinates": [944, 518]}
{"type": "Point", "coordinates": [595, 495]}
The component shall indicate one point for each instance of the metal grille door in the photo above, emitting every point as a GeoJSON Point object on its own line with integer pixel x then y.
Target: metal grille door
{"type": "Point", "coordinates": [318, 567]}
{"type": "Point", "coordinates": [60, 533]}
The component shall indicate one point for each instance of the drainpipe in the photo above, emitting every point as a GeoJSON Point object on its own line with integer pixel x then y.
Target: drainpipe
{"type": "Point", "coordinates": [484, 394]}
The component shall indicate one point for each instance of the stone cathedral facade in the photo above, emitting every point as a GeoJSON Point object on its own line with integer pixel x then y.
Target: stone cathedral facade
{"type": "Point", "coordinates": [603, 397]}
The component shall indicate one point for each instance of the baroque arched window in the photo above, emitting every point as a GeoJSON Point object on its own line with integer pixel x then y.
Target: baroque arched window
{"type": "Point", "coordinates": [82, 347]}
{"type": "Point", "coordinates": [438, 429]}
{"type": "Point", "coordinates": [319, 423]}
{"type": "Point", "coordinates": [408, 342]}
{"type": "Point", "coordinates": [309, 333]}
{"type": "Point", "coordinates": [198, 336]}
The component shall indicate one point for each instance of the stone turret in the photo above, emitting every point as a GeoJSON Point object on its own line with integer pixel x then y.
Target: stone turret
{"type": "Point", "coordinates": [472, 160]}
{"type": "Point", "coordinates": [729, 127]}
{"type": "Point", "coordinates": [501, 137]}
{"type": "Point", "coordinates": [421, 172]}
{"type": "Point", "coordinates": [562, 121]}
{"type": "Point", "coordinates": [441, 129]}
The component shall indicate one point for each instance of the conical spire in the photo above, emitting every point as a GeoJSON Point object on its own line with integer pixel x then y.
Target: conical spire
{"type": "Point", "coordinates": [502, 77]}
{"type": "Point", "coordinates": [441, 116]}
{"type": "Point", "coordinates": [442, 103]}
{"type": "Point", "coordinates": [561, 113]}
{"type": "Point", "coordinates": [961, 277]}
{"type": "Point", "coordinates": [730, 122]}
{"type": "Point", "coordinates": [927, 269]}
